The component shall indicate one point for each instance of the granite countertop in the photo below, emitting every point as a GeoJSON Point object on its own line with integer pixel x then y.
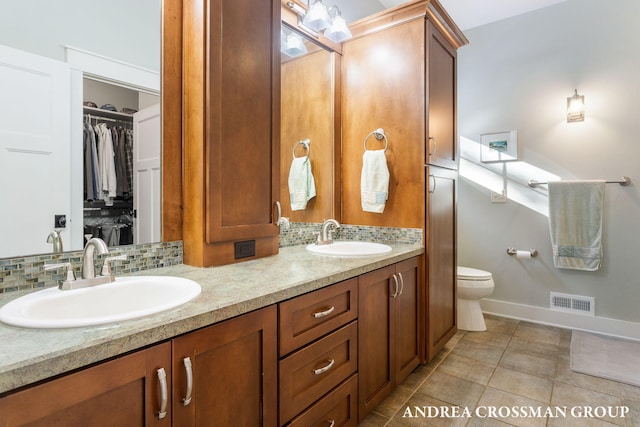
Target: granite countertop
{"type": "Point", "coordinates": [31, 355]}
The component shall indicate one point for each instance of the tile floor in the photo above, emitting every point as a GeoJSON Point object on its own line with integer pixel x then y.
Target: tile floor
{"type": "Point", "coordinates": [514, 364]}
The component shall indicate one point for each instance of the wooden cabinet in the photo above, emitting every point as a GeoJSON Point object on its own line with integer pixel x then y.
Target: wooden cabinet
{"type": "Point", "coordinates": [441, 126]}
{"type": "Point", "coordinates": [399, 73]}
{"type": "Point", "coordinates": [127, 391]}
{"type": "Point", "coordinates": [441, 258]}
{"type": "Point", "coordinates": [226, 374]}
{"type": "Point", "coordinates": [231, 130]}
{"type": "Point", "coordinates": [388, 338]}
{"type": "Point", "coordinates": [319, 357]}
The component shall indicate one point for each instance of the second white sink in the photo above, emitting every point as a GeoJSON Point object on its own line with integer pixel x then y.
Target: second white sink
{"type": "Point", "coordinates": [126, 298]}
{"type": "Point", "coordinates": [349, 249]}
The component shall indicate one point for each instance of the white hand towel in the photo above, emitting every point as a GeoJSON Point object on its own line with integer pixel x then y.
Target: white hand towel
{"type": "Point", "coordinates": [575, 223]}
{"type": "Point", "coordinates": [374, 181]}
{"type": "Point", "coordinates": [302, 186]}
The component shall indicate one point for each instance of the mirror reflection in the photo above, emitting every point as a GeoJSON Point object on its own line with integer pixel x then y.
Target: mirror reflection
{"type": "Point", "coordinates": [106, 54]}
{"type": "Point", "coordinates": [308, 102]}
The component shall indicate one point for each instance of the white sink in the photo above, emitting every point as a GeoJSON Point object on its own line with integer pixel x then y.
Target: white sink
{"type": "Point", "coordinates": [349, 249]}
{"type": "Point", "coordinates": [126, 298]}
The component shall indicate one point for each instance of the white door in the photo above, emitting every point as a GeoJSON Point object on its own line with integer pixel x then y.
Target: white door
{"type": "Point", "coordinates": [34, 150]}
{"type": "Point", "coordinates": [146, 175]}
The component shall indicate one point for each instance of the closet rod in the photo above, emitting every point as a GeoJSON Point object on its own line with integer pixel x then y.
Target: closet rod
{"type": "Point", "coordinates": [623, 181]}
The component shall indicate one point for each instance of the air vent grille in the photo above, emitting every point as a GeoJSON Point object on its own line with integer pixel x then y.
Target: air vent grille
{"type": "Point", "coordinates": [573, 303]}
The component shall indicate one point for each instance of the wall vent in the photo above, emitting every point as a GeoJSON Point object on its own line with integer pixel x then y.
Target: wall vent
{"type": "Point", "coordinates": [573, 303]}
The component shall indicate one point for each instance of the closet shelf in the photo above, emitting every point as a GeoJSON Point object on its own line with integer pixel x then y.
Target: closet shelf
{"type": "Point", "coordinates": [106, 113]}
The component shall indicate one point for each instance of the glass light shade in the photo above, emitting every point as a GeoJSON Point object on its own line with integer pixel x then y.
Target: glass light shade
{"type": "Point", "coordinates": [338, 30]}
{"type": "Point", "coordinates": [317, 18]}
{"type": "Point", "coordinates": [575, 108]}
{"type": "Point", "coordinates": [294, 46]}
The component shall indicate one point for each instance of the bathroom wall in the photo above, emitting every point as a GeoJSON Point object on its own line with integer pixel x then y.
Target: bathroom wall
{"type": "Point", "coordinates": [517, 74]}
{"type": "Point", "coordinates": [120, 29]}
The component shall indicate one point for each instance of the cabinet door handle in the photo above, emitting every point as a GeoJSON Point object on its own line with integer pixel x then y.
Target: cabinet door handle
{"type": "Point", "coordinates": [189, 371]}
{"type": "Point", "coordinates": [435, 146]}
{"type": "Point", "coordinates": [331, 423]}
{"type": "Point", "coordinates": [325, 368]}
{"type": "Point", "coordinates": [319, 314]}
{"type": "Point", "coordinates": [164, 395]}
{"type": "Point", "coordinates": [401, 283]}
{"type": "Point", "coordinates": [395, 279]}
{"type": "Point", "coordinates": [278, 212]}
{"type": "Point", "coordinates": [432, 190]}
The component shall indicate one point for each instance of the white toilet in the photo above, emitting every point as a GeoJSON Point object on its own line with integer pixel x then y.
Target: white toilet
{"type": "Point", "coordinates": [473, 284]}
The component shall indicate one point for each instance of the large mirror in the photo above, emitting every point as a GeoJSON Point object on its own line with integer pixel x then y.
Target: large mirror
{"type": "Point", "coordinates": [309, 131]}
{"type": "Point", "coordinates": [53, 57]}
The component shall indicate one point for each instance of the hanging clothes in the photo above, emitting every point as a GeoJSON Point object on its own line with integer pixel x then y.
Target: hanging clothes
{"type": "Point", "coordinates": [106, 163]}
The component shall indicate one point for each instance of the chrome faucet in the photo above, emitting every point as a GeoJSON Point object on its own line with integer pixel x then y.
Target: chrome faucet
{"type": "Point", "coordinates": [89, 277]}
{"type": "Point", "coordinates": [55, 238]}
{"type": "Point", "coordinates": [88, 261]}
{"type": "Point", "coordinates": [325, 237]}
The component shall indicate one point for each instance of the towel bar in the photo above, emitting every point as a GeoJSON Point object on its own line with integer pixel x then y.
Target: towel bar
{"type": "Point", "coordinates": [623, 181]}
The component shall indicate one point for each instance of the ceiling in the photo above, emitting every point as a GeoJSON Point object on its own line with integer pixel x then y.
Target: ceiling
{"type": "Point", "coordinates": [466, 13]}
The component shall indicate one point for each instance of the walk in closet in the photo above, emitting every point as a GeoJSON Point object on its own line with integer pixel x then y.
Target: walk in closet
{"type": "Point", "coordinates": [109, 210]}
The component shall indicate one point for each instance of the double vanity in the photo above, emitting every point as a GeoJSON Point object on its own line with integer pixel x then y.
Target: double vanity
{"type": "Point", "coordinates": [35, 359]}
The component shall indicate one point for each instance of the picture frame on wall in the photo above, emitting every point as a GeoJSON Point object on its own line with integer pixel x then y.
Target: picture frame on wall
{"type": "Point", "coordinates": [499, 147]}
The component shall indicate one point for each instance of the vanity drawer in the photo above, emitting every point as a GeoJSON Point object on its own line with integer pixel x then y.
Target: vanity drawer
{"type": "Point", "coordinates": [311, 372]}
{"type": "Point", "coordinates": [310, 316]}
{"type": "Point", "coordinates": [339, 408]}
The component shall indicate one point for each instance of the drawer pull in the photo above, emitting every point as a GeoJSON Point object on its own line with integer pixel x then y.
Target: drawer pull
{"type": "Point", "coordinates": [187, 368]}
{"type": "Point", "coordinates": [331, 423]}
{"type": "Point", "coordinates": [319, 314]}
{"type": "Point", "coordinates": [325, 368]}
{"type": "Point", "coordinates": [164, 395]}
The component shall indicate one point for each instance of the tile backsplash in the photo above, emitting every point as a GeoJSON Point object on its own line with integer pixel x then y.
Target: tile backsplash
{"type": "Point", "coordinates": [27, 272]}
{"type": "Point", "coordinates": [22, 273]}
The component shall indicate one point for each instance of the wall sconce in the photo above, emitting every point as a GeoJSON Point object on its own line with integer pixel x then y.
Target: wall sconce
{"type": "Point", "coordinates": [575, 108]}
{"type": "Point", "coordinates": [318, 18]}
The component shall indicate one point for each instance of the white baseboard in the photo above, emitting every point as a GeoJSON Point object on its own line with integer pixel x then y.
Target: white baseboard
{"type": "Point", "coordinates": [600, 325]}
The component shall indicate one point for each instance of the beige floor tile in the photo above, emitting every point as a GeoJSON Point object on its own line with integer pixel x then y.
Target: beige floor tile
{"type": "Point", "coordinates": [488, 338]}
{"type": "Point", "coordinates": [486, 422]}
{"type": "Point", "coordinates": [575, 397]}
{"type": "Point", "coordinates": [450, 389]}
{"type": "Point", "coordinates": [500, 325]}
{"type": "Point", "coordinates": [394, 402]}
{"type": "Point", "coordinates": [374, 420]}
{"type": "Point", "coordinates": [538, 333]}
{"type": "Point", "coordinates": [468, 369]}
{"type": "Point", "coordinates": [521, 345]}
{"type": "Point", "coordinates": [521, 384]}
{"type": "Point", "coordinates": [477, 351]}
{"type": "Point", "coordinates": [527, 363]}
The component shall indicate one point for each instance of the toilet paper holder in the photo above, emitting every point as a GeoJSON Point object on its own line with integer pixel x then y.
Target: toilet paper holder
{"type": "Point", "coordinates": [513, 251]}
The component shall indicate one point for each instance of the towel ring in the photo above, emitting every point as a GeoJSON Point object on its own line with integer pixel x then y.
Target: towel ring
{"type": "Point", "coordinates": [379, 134]}
{"type": "Point", "coordinates": [305, 143]}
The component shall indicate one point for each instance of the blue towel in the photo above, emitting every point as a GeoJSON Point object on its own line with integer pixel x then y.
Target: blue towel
{"type": "Point", "coordinates": [575, 223]}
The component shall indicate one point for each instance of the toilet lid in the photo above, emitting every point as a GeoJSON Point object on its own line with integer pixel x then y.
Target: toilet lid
{"type": "Point", "coordinates": [467, 273]}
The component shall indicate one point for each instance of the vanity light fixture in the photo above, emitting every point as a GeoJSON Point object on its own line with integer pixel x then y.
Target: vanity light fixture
{"type": "Point", "coordinates": [575, 108]}
{"type": "Point", "coordinates": [294, 46]}
{"type": "Point", "coordinates": [318, 18]}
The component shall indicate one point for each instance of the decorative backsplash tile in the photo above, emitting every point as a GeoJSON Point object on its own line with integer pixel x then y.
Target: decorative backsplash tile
{"type": "Point", "coordinates": [302, 233]}
{"type": "Point", "coordinates": [28, 272]}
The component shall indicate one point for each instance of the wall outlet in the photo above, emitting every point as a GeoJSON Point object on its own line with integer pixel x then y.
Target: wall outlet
{"type": "Point", "coordinates": [498, 197]}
